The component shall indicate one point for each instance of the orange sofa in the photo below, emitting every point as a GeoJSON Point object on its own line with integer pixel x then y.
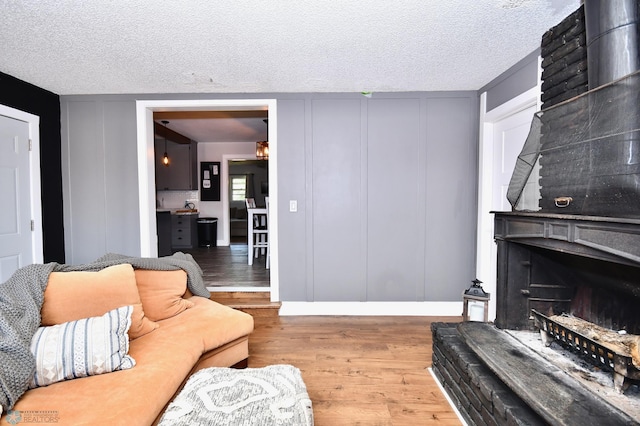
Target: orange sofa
{"type": "Point", "coordinates": [171, 335]}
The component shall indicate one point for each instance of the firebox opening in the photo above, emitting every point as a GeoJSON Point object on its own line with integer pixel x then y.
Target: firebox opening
{"type": "Point", "coordinates": [585, 266]}
{"type": "Point", "coordinates": [604, 293]}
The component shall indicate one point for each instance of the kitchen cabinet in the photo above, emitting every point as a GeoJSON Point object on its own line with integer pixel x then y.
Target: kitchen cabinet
{"type": "Point", "coordinates": [163, 225]}
{"type": "Point", "coordinates": [184, 231]}
{"type": "Point", "coordinates": [182, 172]}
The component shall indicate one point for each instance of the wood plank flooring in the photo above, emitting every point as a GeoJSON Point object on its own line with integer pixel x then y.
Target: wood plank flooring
{"type": "Point", "coordinates": [228, 267]}
{"type": "Point", "coordinates": [358, 370]}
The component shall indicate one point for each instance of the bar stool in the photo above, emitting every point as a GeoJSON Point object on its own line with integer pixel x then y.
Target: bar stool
{"type": "Point", "coordinates": [266, 199]}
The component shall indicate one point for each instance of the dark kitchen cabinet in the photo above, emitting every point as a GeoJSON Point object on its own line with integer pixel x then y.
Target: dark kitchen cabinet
{"type": "Point", "coordinates": [163, 224]}
{"type": "Point", "coordinates": [182, 172]}
{"type": "Point", "coordinates": [184, 231]}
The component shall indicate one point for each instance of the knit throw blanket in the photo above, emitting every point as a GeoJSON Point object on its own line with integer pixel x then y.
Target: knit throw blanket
{"type": "Point", "coordinates": [21, 299]}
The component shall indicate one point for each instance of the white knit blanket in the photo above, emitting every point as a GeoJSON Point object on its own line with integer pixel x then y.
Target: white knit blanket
{"type": "Point", "coordinates": [273, 395]}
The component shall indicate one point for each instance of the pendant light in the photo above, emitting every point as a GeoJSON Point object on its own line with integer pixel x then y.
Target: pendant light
{"type": "Point", "coordinates": [262, 150]}
{"type": "Point", "coordinates": [165, 158]}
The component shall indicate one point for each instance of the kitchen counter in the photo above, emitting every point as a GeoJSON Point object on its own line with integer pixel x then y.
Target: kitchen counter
{"type": "Point", "coordinates": [178, 211]}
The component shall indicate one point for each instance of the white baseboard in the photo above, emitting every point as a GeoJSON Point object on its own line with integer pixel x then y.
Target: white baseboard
{"type": "Point", "coordinates": [446, 395]}
{"type": "Point", "coordinates": [427, 309]}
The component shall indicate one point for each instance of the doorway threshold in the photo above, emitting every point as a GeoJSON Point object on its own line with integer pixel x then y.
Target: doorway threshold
{"type": "Point", "coordinates": [215, 289]}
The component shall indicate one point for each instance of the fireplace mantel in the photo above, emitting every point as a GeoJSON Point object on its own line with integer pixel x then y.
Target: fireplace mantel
{"type": "Point", "coordinates": [604, 238]}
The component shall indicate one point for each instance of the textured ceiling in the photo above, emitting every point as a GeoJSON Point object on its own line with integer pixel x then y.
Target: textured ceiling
{"type": "Point", "coordinates": [255, 46]}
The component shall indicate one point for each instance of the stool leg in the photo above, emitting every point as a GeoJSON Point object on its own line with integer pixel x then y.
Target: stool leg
{"type": "Point", "coordinates": [268, 254]}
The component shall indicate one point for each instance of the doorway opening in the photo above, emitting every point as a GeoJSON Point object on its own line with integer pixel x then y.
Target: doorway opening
{"type": "Point", "coordinates": [496, 163]}
{"type": "Point", "coordinates": [146, 169]}
{"type": "Point", "coordinates": [248, 178]}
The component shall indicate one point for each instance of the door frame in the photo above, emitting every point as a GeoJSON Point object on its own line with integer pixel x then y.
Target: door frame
{"type": "Point", "coordinates": [485, 247]}
{"type": "Point", "coordinates": [33, 121]}
{"type": "Point", "coordinates": [146, 167]}
{"type": "Point", "coordinates": [225, 189]}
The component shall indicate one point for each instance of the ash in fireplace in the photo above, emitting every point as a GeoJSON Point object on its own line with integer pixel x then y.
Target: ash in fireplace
{"type": "Point", "coordinates": [593, 378]}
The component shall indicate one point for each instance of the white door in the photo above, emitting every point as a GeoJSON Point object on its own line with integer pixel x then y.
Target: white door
{"type": "Point", "coordinates": [15, 215]}
{"type": "Point", "coordinates": [504, 129]}
{"type": "Point", "coordinates": [509, 135]}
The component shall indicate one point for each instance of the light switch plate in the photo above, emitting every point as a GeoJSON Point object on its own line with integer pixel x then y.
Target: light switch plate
{"type": "Point", "coordinates": [293, 205]}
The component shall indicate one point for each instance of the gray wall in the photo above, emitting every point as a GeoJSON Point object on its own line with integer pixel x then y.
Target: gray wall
{"type": "Point", "coordinates": [99, 178]}
{"type": "Point", "coordinates": [386, 190]}
{"type": "Point", "coordinates": [516, 80]}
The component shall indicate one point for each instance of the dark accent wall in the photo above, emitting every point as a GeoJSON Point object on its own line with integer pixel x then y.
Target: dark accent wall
{"type": "Point", "coordinates": [26, 97]}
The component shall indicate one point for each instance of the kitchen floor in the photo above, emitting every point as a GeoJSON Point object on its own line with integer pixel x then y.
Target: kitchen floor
{"type": "Point", "coordinates": [228, 267]}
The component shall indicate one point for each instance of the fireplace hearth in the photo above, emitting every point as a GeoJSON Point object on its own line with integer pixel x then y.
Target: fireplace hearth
{"type": "Point", "coordinates": [507, 377]}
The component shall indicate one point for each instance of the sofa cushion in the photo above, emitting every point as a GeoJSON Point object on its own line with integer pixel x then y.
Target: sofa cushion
{"type": "Point", "coordinates": [161, 293]}
{"type": "Point", "coordinates": [71, 296]}
{"type": "Point", "coordinates": [82, 348]}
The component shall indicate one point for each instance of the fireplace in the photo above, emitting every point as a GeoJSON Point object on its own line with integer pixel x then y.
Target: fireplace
{"type": "Point", "coordinates": [584, 268]}
{"type": "Point", "coordinates": [583, 265]}
{"type": "Point", "coordinates": [570, 260]}
{"type": "Point", "coordinates": [549, 264]}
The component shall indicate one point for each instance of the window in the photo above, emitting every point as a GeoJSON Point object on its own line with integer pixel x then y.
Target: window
{"type": "Point", "coordinates": [238, 188]}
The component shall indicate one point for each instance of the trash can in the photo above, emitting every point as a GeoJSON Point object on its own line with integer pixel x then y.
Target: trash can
{"type": "Point", "coordinates": [207, 231]}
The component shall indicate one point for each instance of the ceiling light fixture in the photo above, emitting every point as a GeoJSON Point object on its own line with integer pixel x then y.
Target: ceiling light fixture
{"type": "Point", "coordinates": [262, 150]}
{"type": "Point", "coordinates": [262, 147]}
{"type": "Point", "coordinates": [165, 158]}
